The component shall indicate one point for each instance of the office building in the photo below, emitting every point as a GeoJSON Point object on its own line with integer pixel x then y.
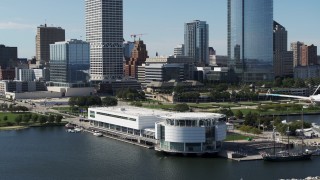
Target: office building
{"type": "Point", "coordinates": [280, 37]}
{"type": "Point", "coordinates": [7, 74]}
{"type": "Point", "coordinates": [164, 72]}
{"type": "Point", "coordinates": [282, 59]}
{"type": "Point", "coordinates": [69, 63]}
{"type": "Point", "coordinates": [306, 72]}
{"type": "Point", "coordinates": [46, 36]}
{"type": "Point", "coordinates": [104, 32]}
{"type": "Point", "coordinates": [139, 54]}
{"type": "Point", "coordinates": [196, 41]}
{"type": "Point", "coordinates": [296, 49]}
{"type": "Point", "coordinates": [127, 49]}
{"type": "Point", "coordinates": [218, 60]}
{"type": "Point", "coordinates": [179, 50]}
{"type": "Point", "coordinates": [8, 56]}
{"type": "Point", "coordinates": [21, 86]}
{"type": "Point", "coordinates": [250, 39]}
{"type": "Point", "coordinates": [308, 55]}
{"type": "Point", "coordinates": [166, 68]}
{"type": "Point", "coordinates": [283, 64]}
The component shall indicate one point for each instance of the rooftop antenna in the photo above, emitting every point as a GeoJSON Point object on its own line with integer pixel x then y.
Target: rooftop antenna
{"type": "Point", "coordinates": [45, 22]}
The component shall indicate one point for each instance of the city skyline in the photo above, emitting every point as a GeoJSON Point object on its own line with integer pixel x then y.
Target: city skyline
{"type": "Point", "coordinates": [163, 33]}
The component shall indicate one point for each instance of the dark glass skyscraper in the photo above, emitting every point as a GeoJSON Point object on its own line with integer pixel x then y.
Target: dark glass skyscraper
{"type": "Point", "coordinates": [250, 39]}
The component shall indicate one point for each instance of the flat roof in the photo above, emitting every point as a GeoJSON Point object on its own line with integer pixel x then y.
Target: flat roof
{"type": "Point", "coordinates": [194, 115]}
{"type": "Point", "coordinates": [131, 110]}
{"type": "Point", "coordinates": [138, 111]}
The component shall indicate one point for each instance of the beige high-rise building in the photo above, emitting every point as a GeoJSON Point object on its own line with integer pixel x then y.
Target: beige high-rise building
{"type": "Point", "coordinates": [46, 36]}
{"type": "Point", "coordinates": [295, 47]}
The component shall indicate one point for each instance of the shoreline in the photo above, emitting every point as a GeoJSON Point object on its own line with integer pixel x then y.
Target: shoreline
{"type": "Point", "coordinates": [13, 128]}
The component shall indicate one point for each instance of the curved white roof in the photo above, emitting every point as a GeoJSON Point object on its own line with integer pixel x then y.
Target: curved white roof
{"type": "Point", "coordinates": [194, 116]}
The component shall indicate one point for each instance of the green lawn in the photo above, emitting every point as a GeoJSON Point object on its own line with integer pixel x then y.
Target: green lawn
{"type": "Point", "coordinates": [159, 106]}
{"type": "Point", "coordinates": [235, 137]}
{"type": "Point", "coordinates": [11, 116]}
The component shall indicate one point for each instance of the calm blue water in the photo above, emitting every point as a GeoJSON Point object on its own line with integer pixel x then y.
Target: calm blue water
{"type": "Point", "coordinates": [51, 153]}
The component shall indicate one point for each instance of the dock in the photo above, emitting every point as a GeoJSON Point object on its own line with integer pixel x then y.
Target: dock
{"type": "Point", "coordinates": [131, 139]}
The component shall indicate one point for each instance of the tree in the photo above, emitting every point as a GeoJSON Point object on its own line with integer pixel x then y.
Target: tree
{"type": "Point", "coordinates": [109, 101]}
{"type": "Point", "coordinates": [18, 119]}
{"type": "Point", "coordinates": [42, 119]}
{"type": "Point", "coordinates": [181, 107]}
{"type": "Point", "coordinates": [250, 119]}
{"type": "Point", "coordinates": [81, 101]}
{"type": "Point", "coordinates": [226, 111]}
{"type": "Point", "coordinates": [5, 118]}
{"type": "Point", "coordinates": [277, 82]}
{"type": "Point", "coordinates": [51, 118]}
{"type": "Point", "coordinates": [34, 118]}
{"type": "Point", "coordinates": [136, 103]}
{"type": "Point", "coordinates": [26, 118]}
{"type": "Point", "coordinates": [58, 118]}
{"type": "Point", "coordinates": [72, 101]}
{"type": "Point", "coordinates": [288, 82]}
{"type": "Point", "coordinates": [239, 114]}
{"type": "Point", "coordinates": [178, 89]}
{"type": "Point", "coordinates": [299, 83]}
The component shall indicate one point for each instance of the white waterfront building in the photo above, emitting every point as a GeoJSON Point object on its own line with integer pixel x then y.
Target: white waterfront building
{"type": "Point", "coordinates": [126, 120]}
{"type": "Point", "coordinates": [195, 133]}
{"type": "Point", "coordinates": [172, 132]}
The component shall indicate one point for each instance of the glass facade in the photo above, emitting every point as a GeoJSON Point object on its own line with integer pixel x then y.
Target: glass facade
{"type": "Point", "coordinates": [250, 39]}
{"type": "Point", "coordinates": [70, 62]}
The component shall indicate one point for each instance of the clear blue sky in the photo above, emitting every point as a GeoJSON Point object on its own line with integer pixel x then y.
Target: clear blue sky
{"type": "Point", "coordinates": [161, 21]}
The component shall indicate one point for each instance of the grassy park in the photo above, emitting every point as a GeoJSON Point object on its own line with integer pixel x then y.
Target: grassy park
{"type": "Point", "coordinates": [19, 120]}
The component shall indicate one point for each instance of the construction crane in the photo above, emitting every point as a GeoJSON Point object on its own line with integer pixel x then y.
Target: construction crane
{"type": "Point", "coordinates": [135, 35]}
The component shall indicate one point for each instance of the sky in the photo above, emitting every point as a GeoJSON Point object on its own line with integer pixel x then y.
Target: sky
{"type": "Point", "coordinates": [161, 21]}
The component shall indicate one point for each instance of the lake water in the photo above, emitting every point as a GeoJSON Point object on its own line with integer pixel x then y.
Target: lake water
{"type": "Point", "coordinates": [51, 153]}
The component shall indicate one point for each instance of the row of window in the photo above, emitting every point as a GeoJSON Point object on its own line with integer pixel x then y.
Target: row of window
{"type": "Point", "coordinates": [116, 116]}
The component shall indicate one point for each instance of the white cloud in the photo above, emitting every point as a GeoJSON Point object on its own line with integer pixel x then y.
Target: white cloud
{"type": "Point", "coordinates": [16, 26]}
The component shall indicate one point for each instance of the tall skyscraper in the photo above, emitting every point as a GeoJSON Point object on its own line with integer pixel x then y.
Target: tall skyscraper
{"type": "Point", "coordinates": [280, 37]}
{"type": "Point", "coordinates": [104, 32]}
{"type": "Point", "coordinates": [282, 59]}
{"type": "Point", "coordinates": [250, 39]}
{"type": "Point", "coordinates": [69, 63]}
{"type": "Point", "coordinates": [46, 36]}
{"type": "Point", "coordinates": [196, 41]}
{"type": "Point", "coordinates": [295, 47]}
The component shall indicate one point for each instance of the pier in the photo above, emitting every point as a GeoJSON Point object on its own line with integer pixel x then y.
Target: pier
{"type": "Point", "coordinates": [113, 134]}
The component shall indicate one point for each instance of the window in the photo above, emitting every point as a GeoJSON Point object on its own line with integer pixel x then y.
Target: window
{"type": "Point", "coordinates": [93, 114]}
{"type": "Point", "coordinates": [116, 116]}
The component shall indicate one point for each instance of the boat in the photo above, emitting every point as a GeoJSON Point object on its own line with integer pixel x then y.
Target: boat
{"type": "Point", "coordinates": [97, 133]}
{"type": "Point", "coordinates": [70, 126]}
{"type": "Point", "coordinates": [286, 155]}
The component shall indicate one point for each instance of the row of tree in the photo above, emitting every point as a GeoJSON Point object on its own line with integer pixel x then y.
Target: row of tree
{"type": "Point", "coordinates": [12, 108]}
{"type": "Point", "coordinates": [297, 83]}
{"type": "Point", "coordinates": [85, 101]}
{"type": "Point", "coordinates": [26, 118]}
{"type": "Point", "coordinates": [130, 94]}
